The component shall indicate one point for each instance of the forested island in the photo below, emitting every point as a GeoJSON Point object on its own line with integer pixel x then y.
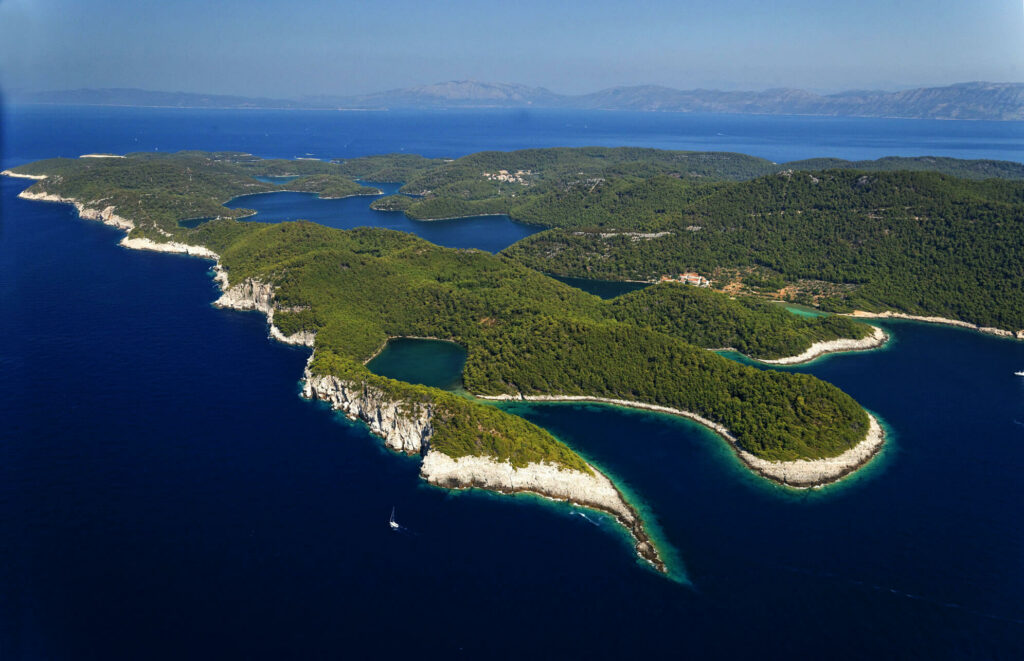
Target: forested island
{"type": "Point", "coordinates": [614, 213]}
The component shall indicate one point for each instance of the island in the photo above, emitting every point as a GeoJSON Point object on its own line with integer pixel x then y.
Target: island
{"type": "Point", "coordinates": [346, 293]}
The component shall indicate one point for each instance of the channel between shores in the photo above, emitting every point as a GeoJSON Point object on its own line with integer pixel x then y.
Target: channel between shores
{"type": "Point", "coordinates": [798, 474]}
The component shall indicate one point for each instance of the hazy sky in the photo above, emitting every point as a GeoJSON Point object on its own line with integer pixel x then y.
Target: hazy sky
{"type": "Point", "coordinates": [282, 48]}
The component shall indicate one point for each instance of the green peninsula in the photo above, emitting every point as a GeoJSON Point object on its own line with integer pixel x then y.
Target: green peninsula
{"type": "Point", "coordinates": [346, 293]}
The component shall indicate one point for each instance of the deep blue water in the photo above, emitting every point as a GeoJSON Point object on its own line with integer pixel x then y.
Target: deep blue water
{"type": "Point", "coordinates": [490, 233]}
{"type": "Point", "coordinates": [164, 492]}
{"type": "Point", "coordinates": [44, 131]}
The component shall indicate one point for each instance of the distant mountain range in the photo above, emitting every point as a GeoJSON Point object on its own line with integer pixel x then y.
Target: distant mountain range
{"type": "Point", "coordinates": [977, 100]}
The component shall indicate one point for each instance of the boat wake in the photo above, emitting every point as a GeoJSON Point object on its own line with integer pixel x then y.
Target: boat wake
{"type": "Point", "coordinates": [588, 519]}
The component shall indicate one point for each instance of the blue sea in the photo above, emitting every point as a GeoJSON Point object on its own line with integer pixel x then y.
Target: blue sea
{"type": "Point", "coordinates": [165, 492]}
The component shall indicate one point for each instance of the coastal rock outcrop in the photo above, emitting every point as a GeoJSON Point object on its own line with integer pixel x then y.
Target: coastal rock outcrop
{"type": "Point", "coordinates": [816, 472]}
{"type": "Point", "coordinates": [169, 246]}
{"type": "Point", "coordinates": [404, 426]}
{"type": "Point", "coordinates": [889, 314]}
{"type": "Point", "coordinates": [17, 175]}
{"type": "Point", "coordinates": [877, 338]}
{"type": "Point", "coordinates": [300, 338]}
{"type": "Point", "coordinates": [105, 215]}
{"type": "Point", "coordinates": [595, 491]}
{"type": "Point", "coordinates": [247, 295]}
{"type": "Point", "coordinates": [553, 481]}
{"type": "Point", "coordinates": [253, 294]}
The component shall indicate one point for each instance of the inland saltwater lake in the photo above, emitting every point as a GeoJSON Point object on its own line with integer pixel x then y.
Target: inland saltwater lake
{"type": "Point", "coordinates": [165, 492]}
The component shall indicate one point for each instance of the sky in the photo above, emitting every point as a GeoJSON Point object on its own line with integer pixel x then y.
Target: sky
{"type": "Point", "coordinates": [340, 47]}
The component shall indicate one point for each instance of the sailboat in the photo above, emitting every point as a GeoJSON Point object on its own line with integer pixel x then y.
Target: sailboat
{"type": "Point", "coordinates": [392, 522]}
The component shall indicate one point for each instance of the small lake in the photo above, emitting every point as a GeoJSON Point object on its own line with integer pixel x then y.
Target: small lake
{"type": "Point", "coordinates": [435, 363]}
{"type": "Point", "coordinates": [489, 233]}
{"type": "Point", "coordinates": [604, 288]}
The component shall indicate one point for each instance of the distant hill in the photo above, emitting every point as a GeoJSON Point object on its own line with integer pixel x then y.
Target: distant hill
{"type": "Point", "coordinates": [994, 101]}
{"type": "Point", "coordinates": [977, 100]}
{"type": "Point", "coordinates": [459, 93]}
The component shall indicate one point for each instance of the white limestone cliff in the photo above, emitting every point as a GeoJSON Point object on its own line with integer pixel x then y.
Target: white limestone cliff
{"type": "Point", "coordinates": [105, 215]}
{"type": "Point", "coordinates": [168, 246]}
{"type": "Point", "coordinates": [404, 426]}
{"type": "Point", "coordinates": [252, 294]}
{"type": "Point", "coordinates": [553, 481]}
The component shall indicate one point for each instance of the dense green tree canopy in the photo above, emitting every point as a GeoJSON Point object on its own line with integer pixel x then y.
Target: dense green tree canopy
{"type": "Point", "coordinates": [915, 241]}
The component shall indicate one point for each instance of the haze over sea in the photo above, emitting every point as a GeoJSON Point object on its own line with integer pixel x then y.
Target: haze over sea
{"type": "Point", "coordinates": [165, 493]}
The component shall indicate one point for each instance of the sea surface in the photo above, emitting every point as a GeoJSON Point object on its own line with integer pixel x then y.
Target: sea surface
{"type": "Point", "coordinates": [165, 492]}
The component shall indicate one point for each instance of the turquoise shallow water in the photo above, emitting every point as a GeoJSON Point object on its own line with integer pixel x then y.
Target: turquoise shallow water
{"type": "Point", "coordinates": [164, 492]}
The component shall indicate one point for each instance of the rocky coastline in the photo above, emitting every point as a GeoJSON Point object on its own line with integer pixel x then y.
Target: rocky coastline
{"type": "Point", "coordinates": [595, 491]}
{"type": "Point", "coordinates": [889, 314]}
{"type": "Point", "coordinates": [877, 338]}
{"type": "Point", "coordinates": [407, 428]}
{"type": "Point", "coordinates": [798, 474]}
{"type": "Point", "coordinates": [169, 246]}
{"type": "Point", "coordinates": [105, 215]}
{"type": "Point", "coordinates": [16, 175]}
{"type": "Point", "coordinates": [252, 294]}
